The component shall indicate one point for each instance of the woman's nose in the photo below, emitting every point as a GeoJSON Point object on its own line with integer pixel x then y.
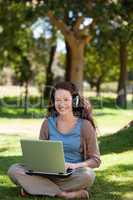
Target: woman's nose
{"type": "Point", "coordinates": [62, 102]}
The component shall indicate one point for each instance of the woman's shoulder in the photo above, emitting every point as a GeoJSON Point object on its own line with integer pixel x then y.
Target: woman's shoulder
{"type": "Point", "coordinates": [44, 129]}
{"type": "Point", "coordinates": [45, 122]}
{"type": "Point", "coordinates": [48, 118]}
{"type": "Point", "coordinates": [87, 123]}
{"type": "Point", "coordinates": [87, 127]}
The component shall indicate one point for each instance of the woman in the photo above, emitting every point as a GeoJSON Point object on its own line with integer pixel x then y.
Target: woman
{"type": "Point", "coordinates": [69, 120]}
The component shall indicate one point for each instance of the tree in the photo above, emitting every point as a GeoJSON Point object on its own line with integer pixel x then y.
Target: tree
{"type": "Point", "coordinates": [76, 33]}
{"type": "Point", "coordinates": [14, 18]}
{"type": "Point", "coordinates": [76, 41]}
{"type": "Point", "coordinates": [116, 24]}
{"type": "Point", "coordinates": [99, 67]}
{"type": "Point", "coordinates": [45, 49]}
{"type": "Point", "coordinates": [123, 31]}
{"type": "Point", "coordinates": [20, 62]}
{"type": "Point", "coordinates": [24, 76]}
{"type": "Point", "coordinates": [16, 41]}
{"type": "Point", "coordinates": [39, 58]}
{"type": "Point", "coordinates": [49, 73]}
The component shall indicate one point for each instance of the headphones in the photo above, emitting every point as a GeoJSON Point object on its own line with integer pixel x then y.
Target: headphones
{"type": "Point", "coordinates": [75, 100]}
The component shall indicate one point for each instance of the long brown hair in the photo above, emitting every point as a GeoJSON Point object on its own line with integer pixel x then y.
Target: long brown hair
{"type": "Point", "coordinates": [84, 108]}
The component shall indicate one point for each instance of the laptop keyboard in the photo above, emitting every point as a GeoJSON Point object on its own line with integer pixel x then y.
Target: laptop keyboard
{"type": "Point", "coordinates": [69, 170]}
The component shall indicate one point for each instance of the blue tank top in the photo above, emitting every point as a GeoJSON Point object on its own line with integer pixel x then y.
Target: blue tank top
{"type": "Point", "coordinates": [71, 140]}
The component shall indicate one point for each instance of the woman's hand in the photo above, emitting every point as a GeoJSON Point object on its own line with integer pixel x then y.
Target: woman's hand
{"type": "Point", "coordinates": [70, 165]}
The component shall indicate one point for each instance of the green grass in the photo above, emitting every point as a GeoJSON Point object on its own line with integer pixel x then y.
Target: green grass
{"type": "Point", "coordinates": [13, 107]}
{"type": "Point", "coordinates": [110, 120]}
{"type": "Point", "coordinates": [105, 110]}
{"type": "Point", "coordinates": [114, 177]}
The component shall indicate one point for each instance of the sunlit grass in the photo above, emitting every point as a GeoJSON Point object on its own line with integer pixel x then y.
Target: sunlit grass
{"type": "Point", "coordinates": [114, 177]}
{"type": "Point", "coordinates": [111, 120]}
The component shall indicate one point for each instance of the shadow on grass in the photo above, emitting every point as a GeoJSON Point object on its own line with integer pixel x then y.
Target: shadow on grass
{"type": "Point", "coordinates": [7, 161]}
{"type": "Point", "coordinates": [117, 143]}
{"type": "Point", "coordinates": [103, 189]}
{"type": "Point", "coordinates": [108, 102]}
{"type": "Point", "coordinates": [111, 184]}
{"type": "Point", "coordinates": [3, 149]}
{"type": "Point", "coordinates": [100, 102]}
{"type": "Point", "coordinates": [115, 189]}
{"type": "Point", "coordinates": [122, 169]}
{"type": "Point", "coordinates": [13, 107]}
{"type": "Point", "coordinates": [103, 113]}
{"type": "Point", "coordinates": [8, 190]}
{"type": "Point", "coordinates": [19, 113]}
{"type": "Point", "coordinates": [8, 193]}
{"type": "Point", "coordinates": [12, 192]}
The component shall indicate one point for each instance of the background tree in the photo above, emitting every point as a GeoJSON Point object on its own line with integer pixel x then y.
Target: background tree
{"type": "Point", "coordinates": [101, 64]}
{"type": "Point", "coordinates": [16, 40]}
{"type": "Point", "coordinates": [76, 33]}
{"type": "Point", "coordinates": [49, 73]}
{"type": "Point", "coordinates": [116, 23]}
{"type": "Point", "coordinates": [14, 17]}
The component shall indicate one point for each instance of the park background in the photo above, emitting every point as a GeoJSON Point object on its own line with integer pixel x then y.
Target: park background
{"type": "Point", "coordinates": [86, 42]}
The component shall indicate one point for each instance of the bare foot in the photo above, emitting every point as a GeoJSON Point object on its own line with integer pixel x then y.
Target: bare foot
{"type": "Point", "coordinates": [23, 193]}
{"type": "Point", "coordinates": [80, 194]}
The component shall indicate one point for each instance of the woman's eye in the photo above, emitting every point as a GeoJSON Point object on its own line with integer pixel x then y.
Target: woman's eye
{"type": "Point", "coordinates": [60, 100]}
{"type": "Point", "coordinates": [57, 100]}
{"type": "Point", "coordinates": [65, 99]}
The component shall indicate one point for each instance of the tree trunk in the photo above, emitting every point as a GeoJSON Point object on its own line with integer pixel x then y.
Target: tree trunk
{"type": "Point", "coordinates": [41, 105]}
{"type": "Point", "coordinates": [77, 60]}
{"type": "Point", "coordinates": [26, 99]}
{"type": "Point", "coordinates": [68, 62]}
{"type": "Point", "coordinates": [98, 88]}
{"type": "Point", "coordinates": [77, 41]}
{"type": "Point", "coordinates": [122, 84]}
{"type": "Point", "coordinates": [49, 74]}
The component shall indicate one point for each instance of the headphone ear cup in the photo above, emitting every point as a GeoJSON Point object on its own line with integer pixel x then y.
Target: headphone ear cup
{"type": "Point", "coordinates": [75, 101]}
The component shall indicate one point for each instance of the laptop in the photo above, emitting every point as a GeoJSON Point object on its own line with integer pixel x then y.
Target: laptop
{"type": "Point", "coordinates": [44, 157]}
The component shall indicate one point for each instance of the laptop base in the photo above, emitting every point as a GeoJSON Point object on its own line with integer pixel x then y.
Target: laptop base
{"type": "Point", "coordinates": [60, 175]}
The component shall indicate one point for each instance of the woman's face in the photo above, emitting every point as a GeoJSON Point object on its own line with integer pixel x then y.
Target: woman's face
{"type": "Point", "coordinates": [63, 101]}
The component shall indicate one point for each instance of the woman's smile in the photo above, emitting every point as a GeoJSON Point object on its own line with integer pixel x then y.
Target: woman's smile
{"type": "Point", "coordinates": [63, 101]}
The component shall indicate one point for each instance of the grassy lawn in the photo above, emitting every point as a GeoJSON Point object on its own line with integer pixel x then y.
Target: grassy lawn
{"type": "Point", "coordinates": [109, 118]}
{"type": "Point", "coordinates": [114, 177]}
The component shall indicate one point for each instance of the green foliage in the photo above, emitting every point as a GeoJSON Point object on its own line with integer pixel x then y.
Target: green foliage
{"type": "Point", "coordinates": [14, 19]}
{"type": "Point", "coordinates": [18, 48]}
{"type": "Point", "coordinates": [124, 143]}
{"type": "Point", "coordinates": [99, 65]}
{"type": "Point", "coordinates": [16, 38]}
{"type": "Point", "coordinates": [60, 7]}
{"type": "Point", "coordinates": [113, 22]}
{"type": "Point", "coordinates": [130, 56]}
{"type": "Point", "coordinates": [12, 107]}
